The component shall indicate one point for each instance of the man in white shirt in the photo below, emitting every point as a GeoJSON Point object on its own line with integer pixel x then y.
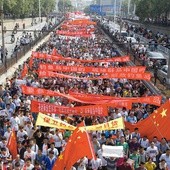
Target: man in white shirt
{"type": "Point", "coordinates": [52, 148]}
{"type": "Point", "coordinates": [104, 162]}
{"type": "Point", "coordinates": [34, 146]}
{"type": "Point", "coordinates": [15, 122]}
{"type": "Point", "coordinates": [96, 164]}
{"type": "Point", "coordinates": [29, 154]}
{"type": "Point", "coordinates": [21, 133]}
{"type": "Point", "coordinates": [45, 146]}
{"type": "Point", "coordinates": [58, 140]}
{"type": "Point", "coordinates": [144, 142]}
{"type": "Point", "coordinates": [166, 157]}
{"type": "Point", "coordinates": [152, 151]}
{"type": "Point", "coordinates": [8, 132]}
{"type": "Point", "coordinates": [29, 129]}
{"type": "Point", "coordinates": [82, 164]}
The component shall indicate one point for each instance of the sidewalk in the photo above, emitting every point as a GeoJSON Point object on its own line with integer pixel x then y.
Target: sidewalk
{"type": "Point", "coordinates": [154, 28]}
{"type": "Point", "coordinates": [10, 46]}
{"type": "Point", "coordinates": [11, 70]}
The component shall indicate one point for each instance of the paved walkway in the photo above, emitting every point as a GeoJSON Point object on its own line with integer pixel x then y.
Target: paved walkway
{"type": "Point", "coordinates": [10, 46]}
{"type": "Point", "coordinates": [154, 28]}
{"type": "Point", "coordinates": [11, 70]}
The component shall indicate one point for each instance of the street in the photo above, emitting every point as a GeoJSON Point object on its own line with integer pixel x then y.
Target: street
{"type": "Point", "coordinates": [10, 46]}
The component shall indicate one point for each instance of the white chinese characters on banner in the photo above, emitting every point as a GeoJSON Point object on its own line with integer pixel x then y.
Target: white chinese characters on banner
{"type": "Point", "coordinates": [112, 151]}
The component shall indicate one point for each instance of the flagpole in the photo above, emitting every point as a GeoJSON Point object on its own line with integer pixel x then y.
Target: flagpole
{"type": "Point", "coordinates": [90, 144]}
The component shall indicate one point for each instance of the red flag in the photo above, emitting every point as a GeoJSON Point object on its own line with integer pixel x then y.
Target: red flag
{"type": "Point", "coordinates": [156, 124]}
{"type": "Point", "coordinates": [12, 144]}
{"type": "Point", "coordinates": [31, 62]}
{"type": "Point", "coordinates": [78, 146]}
{"type": "Point", "coordinates": [24, 71]}
{"type": "Point", "coordinates": [54, 52]}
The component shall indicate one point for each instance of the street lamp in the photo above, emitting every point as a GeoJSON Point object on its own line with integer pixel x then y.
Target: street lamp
{"type": "Point", "coordinates": [3, 41]}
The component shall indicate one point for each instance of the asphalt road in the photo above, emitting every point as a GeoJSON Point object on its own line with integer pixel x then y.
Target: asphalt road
{"type": "Point", "coordinates": [10, 46]}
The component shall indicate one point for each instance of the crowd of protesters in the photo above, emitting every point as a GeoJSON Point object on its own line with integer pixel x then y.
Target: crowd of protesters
{"type": "Point", "coordinates": [39, 147]}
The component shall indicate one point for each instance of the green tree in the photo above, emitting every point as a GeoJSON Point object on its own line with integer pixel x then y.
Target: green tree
{"type": "Point", "coordinates": [64, 5]}
{"type": "Point", "coordinates": [26, 8]}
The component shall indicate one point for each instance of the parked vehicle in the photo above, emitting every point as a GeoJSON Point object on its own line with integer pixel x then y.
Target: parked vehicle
{"type": "Point", "coordinates": [155, 58]}
{"type": "Point", "coordinates": [162, 74]}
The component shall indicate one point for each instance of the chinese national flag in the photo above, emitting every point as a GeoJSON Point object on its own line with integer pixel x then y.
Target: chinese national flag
{"type": "Point", "coordinates": [156, 124]}
{"type": "Point", "coordinates": [24, 71]}
{"type": "Point", "coordinates": [54, 52]}
{"type": "Point", "coordinates": [12, 144]}
{"type": "Point", "coordinates": [78, 146]}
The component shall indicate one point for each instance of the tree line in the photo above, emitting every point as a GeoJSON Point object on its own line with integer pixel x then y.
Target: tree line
{"type": "Point", "coordinates": [27, 8]}
{"type": "Point", "coordinates": [153, 10]}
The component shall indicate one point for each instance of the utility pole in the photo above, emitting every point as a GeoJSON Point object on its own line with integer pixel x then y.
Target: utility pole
{"type": "Point", "coordinates": [121, 23]}
{"type": "Point", "coordinates": [115, 3]}
{"type": "Point", "coordinates": [101, 10]}
{"type": "Point", "coordinates": [63, 6]}
{"type": "Point", "coordinates": [129, 2]}
{"type": "Point", "coordinates": [39, 4]}
{"type": "Point", "coordinates": [168, 74]}
{"type": "Point", "coordinates": [2, 33]}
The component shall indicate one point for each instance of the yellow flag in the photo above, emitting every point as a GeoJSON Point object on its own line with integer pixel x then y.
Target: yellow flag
{"type": "Point", "coordinates": [47, 121]}
{"type": "Point", "coordinates": [111, 125]}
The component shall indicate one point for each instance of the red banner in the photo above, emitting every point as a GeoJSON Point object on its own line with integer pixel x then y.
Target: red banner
{"type": "Point", "coordinates": [24, 72]}
{"type": "Point", "coordinates": [82, 22]}
{"type": "Point", "coordinates": [43, 92]}
{"type": "Point", "coordinates": [81, 69]}
{"type": "Point", "coordinates": [93, 110]}
{"type": "Point", "coordinates": [75, 34]}
{"type": "Point", "coordinates": [131, 76]}
{"type": "Point", "coordinates": [155, 100]}
{"type": "Point", "coordinates": [60, 57]}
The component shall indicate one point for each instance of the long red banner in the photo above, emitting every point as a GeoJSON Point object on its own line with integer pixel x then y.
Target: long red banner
{"type": "Point", "coordinates": [43, 92]}
{"type": "Point", "coordinates": [155, 100]}
{"type": "Point", "coordinates": [81, 69]}
{"type": "Point", "coordinates": [93, 110]}
{"type": "Point", "coordinates": [74, 34]}
{"type": "Point", "coordinates": [132, 76]}
{"type": "Point", "coordinates": [94, 99]}
{"type": "Point", "coordinates": [60, 57]}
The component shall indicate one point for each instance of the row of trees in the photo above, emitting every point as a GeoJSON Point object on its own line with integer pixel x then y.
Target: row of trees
{"type": "Point", "coordinates": [154, 10]}
{"type": "Point", "coordinates": [27, 8]}
{"type": "Point", "coordinates": [65, 5]}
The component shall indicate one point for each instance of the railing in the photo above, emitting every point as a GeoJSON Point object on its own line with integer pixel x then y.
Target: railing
{"type": "Point", "coordinates": [145, 40]}
{"type": "Point", "coordinates": [20, 53]}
